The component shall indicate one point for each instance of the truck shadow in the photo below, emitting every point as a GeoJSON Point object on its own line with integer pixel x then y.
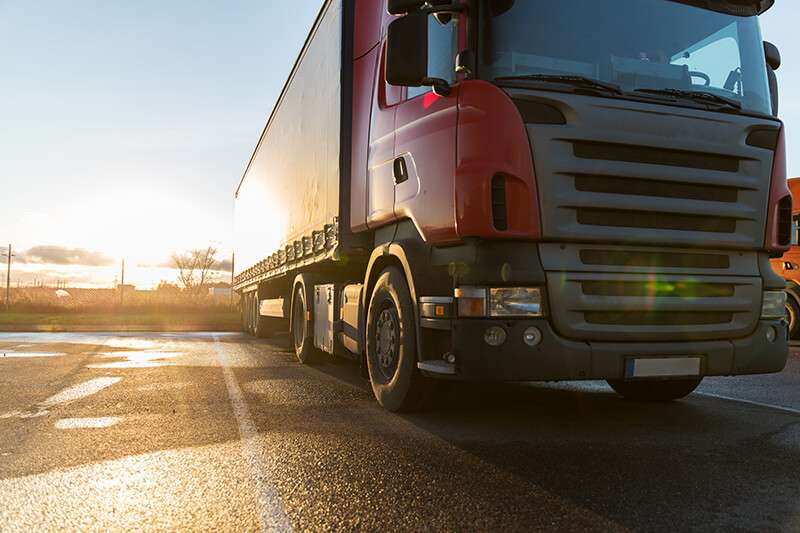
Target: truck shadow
{"type": "Point", "coordinates": [695, 464]}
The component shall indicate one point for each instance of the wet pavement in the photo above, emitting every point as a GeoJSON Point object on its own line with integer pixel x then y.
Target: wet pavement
{"type": "Point", "coordinates": [220, 431]}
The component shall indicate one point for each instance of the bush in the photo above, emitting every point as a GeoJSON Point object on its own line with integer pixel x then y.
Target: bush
{"type": "Point", "coordinates": [76, 300]}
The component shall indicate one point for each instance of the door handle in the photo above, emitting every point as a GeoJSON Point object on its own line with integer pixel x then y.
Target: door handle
{"type": "Point", "coordinates": [399, 170]}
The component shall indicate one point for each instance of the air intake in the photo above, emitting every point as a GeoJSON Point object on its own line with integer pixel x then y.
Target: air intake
{"type": "Point", "coordinates": [785, 221]}
{"type": "Point", "coordinates": [499, 213]}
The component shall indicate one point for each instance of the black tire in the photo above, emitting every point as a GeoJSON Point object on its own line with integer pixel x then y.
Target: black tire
{"type": "Point", "coordinates": [245, 311]}
{"type": "Point", "coordinates": [262, 325]}
{"type": "Point", "coordinates": [792, 316]}
{"type": "Point", "coordinates": [304, 347]}
{"type": "Point", "coordinates": [654, 390]}
{"type": "Point", "coordinates": [249, 300]}
{"type": "Point", "coordinates": [392, 346]}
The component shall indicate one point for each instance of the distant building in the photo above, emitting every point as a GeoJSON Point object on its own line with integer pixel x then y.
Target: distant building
{"type": "Point", "coordinates": [126, 288]}
{"type": "Point", "coordinates": [216, 291]}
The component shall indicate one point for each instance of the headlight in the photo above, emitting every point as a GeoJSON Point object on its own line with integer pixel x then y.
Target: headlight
{"type": "Point", "coordinates": [773, 304]}
{"type": "Point", "coordinates": [516, 301]}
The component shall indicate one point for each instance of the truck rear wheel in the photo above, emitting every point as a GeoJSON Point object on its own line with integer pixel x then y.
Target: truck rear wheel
{"type": "Point", "coordinates": [303, 345]}
{"type": "Point", "coordinates": [247, 312]}
{"type": "Point", "coordinates": [261, 324]}
{"type": "Point", "coordinates": [392, 346]}
{"type": "Point", "coordinates": [654, 390]}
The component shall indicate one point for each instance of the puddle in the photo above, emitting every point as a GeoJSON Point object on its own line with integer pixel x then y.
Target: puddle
{"type": "Point", "coordinates": [146, 359]}
{"type": "Point", "coordinates": [31, 354]}
{"type": "Point", "coordinates": [133, 344]}
{"type": "Point", "coordinates": [79, 391]}
{"type": "Point", "coordinates": [87, 423]}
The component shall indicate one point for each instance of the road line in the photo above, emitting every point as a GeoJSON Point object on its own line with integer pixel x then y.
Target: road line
{"type": "Point", "coordinates": [79, 391]}
{"type": "Point", "coordinates": [269, 504]}
{"type": "Point", "coordinates": [750, 402]}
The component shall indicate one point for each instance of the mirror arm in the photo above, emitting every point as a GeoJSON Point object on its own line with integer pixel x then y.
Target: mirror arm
{"type": "Point", "coordinates": [452, 8]}
{"type": "Point", "coordinates": [440, 87]}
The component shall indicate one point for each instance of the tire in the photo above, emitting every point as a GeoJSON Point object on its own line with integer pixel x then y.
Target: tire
{"type": "Point", "coordinates": [249, 312]}
{"type": "Point", "coordinates": [304, 347]}
{"type": "Point", "coordinates": [245, 312]}
{"type": "Point", "coordinates": [262, 325]}
{"type": "Point", "coordinates": [792, 316]}
{"type": "Point", "coordinates": [654, 390]}
{"type": "Point", "coordinates": [392, 346]}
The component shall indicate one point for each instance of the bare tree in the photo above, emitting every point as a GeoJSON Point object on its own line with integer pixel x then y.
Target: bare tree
{"type": "Point", "coordinates": [194, 268]}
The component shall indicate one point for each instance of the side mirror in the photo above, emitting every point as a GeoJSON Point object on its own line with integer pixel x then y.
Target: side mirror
{"type": "Point", "coordinates": [407, 50]}
{"type": "Point", "coordinates": [773, 58]}
{"type": "Point", "coordinates": [398, 7]}
{"type": "Point", "coordinates": [773, 55]}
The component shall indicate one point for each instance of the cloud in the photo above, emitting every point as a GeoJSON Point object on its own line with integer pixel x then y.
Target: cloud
{"type": "Point", "coordinates": [60, 255]}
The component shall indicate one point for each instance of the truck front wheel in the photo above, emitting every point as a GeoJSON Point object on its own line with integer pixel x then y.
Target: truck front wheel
{"type": "Point", "coordinates": [654, 390]}
{"type": "Point", "coordinates": [392, 346]}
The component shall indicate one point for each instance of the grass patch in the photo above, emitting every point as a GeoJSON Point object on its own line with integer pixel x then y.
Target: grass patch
{"type": "Point", "coordinates": [196, 321]}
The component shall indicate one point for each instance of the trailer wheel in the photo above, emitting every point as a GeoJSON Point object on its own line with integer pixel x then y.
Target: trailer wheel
{"type": "Point", "coordinates": [654, 390]}
{"type": "Point", "coordinates": [245, 311]}
{"type": "Point", "coordinates": [792, 312]}
{"type": "Point", "coordinates": [261, 324]}
{"type": "Point", "coordinates": [392, 346]}
{"type": "Point", "coordinates": [248, 314]}
{"type": "Point", "coordinates": [303, 345]}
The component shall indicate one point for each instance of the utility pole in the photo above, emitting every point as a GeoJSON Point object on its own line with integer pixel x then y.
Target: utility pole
{"type": "Point", "coordinates": [8, 276]}
{"type": "Point", "coordinates": [122, 285]}
{"type": "Point", "coordinates": [233, 258]}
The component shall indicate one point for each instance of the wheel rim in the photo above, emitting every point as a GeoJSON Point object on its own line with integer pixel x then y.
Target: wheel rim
{"type": "Point", "coordinates": [299, 320]}
{"type": "Point", "coordinates": [790, 316]}
{"type": "Point", "coordinates": [387, 342]}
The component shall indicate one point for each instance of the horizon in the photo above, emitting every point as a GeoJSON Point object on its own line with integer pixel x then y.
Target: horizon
{"type": "Point", "coordinates": [129, 126]}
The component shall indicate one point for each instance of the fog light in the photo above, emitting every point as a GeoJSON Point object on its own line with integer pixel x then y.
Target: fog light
{"type": "Point", "coordinates": [772, 334]}
{"type": "Point", "coordinates": [532, 336]}
{"type": "Point", "coordinates": [495, 336]}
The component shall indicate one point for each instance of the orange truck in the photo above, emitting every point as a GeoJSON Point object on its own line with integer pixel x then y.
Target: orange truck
{"type": "Point", "coordinates": [788, 265]}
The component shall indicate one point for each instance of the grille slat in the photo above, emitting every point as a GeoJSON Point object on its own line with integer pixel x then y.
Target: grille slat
{"type": "Point", "coordinates": [650, 220]}
{"type": "Point", "coordinates": [659, 189]}
{"type": "Point", "coordinates": [653, 259]}
{"type": "Point", "coordinates": [654, 156]}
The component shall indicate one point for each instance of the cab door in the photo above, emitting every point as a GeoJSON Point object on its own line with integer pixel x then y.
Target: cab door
{"type": "Point", "coordinates": [425, 124]}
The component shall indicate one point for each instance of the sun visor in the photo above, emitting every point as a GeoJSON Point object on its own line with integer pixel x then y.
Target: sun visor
{"type": "Point", "coordinates": [739, 8]}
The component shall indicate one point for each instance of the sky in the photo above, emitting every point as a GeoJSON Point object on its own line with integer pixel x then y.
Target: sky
{"type": "Point", "coordinates": [125, 126]}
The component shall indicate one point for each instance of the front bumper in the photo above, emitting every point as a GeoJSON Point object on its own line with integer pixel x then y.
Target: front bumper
{"type": "Point", "coordinates": [557, 359]}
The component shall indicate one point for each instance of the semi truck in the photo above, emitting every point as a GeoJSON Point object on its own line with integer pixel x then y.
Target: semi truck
{"type": "Point", "coordinates": [788, 265]}
{"type": "Point", "coordinates": [503, 190]}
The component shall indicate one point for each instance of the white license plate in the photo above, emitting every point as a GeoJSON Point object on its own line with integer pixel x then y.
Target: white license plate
{"type": "Point", "coordinates": [660, 367]}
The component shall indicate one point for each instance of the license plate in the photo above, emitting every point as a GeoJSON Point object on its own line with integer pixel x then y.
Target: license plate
{"type": "Point", "coordinates": [660, 367]}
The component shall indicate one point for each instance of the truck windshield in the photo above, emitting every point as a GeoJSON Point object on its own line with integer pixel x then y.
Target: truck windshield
{"type": "Point", "coordinates": [653, 48]}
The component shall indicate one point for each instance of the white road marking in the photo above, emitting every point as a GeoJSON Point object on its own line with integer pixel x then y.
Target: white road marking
{"type": "Point", "coordinates": [76, 392]}
{"type": "Point", "coordinates": [749, 402]}
{"type": "Point", "coordinates": [269, 504]}
{"type": "Point", "coordinates": [87, 423]}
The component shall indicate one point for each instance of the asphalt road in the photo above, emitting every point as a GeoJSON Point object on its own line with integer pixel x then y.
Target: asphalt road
{"type": "Point", "coordinates": [223, 432]}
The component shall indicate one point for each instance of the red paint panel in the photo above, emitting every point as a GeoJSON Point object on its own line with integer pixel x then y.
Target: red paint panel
{"type": "Point", "coordinates": [367, 32]}
{"type": "Point", "coordinates": [492, 140]}
{"type": "Point", "coordinates": [778, 189]}
{"type": "Point", "coordinates": [426, 130]}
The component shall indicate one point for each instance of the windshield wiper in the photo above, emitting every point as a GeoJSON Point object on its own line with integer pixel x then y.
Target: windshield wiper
{"type": "Point", "coordinates": [706, 97]}
{"type": "Point", "coordinates": [575, 81]}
